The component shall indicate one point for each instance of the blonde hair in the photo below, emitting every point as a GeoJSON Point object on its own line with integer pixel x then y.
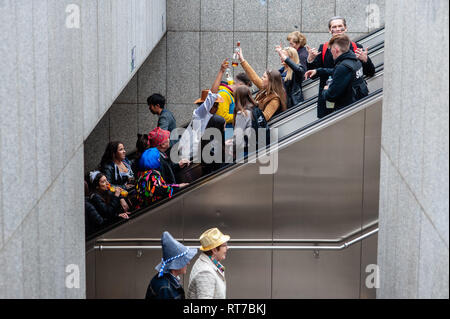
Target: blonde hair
{"type": "Point", "coordinates": [298, 38]}
{"type": "Point", "coordinates": [293, 55]}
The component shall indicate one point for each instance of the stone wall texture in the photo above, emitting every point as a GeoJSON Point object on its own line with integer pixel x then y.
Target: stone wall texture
{"type": "Point", "coordinates": [414, 187]}
{"type": "Point", "coordinates": [200, 34]}
{"type": "Point", "coordinates": [58, 79]}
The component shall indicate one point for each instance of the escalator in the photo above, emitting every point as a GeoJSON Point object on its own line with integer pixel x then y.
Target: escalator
{"type": "Point", "coordinates": [323, 189]}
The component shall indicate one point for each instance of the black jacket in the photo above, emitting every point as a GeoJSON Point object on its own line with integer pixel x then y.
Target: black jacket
{"type": "Point", "coordinates": [303, 56]}
{"type": "Point", "coordinates": [329, 63]}
{"type": "Point", "coordinates": [168, 168]}
{"type": "Point", "coordinates": [107, 211]}
{"type": "Point", "coordinates": [293, 87]}
{"type": "Point", "coordinates": [165, 287]}
{"type": "Point", "coordinates": [93, 219]}
{"type": "Point", "coordinates": [348, 84]}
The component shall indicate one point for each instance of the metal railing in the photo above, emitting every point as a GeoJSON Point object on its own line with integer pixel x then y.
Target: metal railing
{"type": "Point", "coordinates": [310, 247]}
{"type": "Point", "coordinates": [247, 240]}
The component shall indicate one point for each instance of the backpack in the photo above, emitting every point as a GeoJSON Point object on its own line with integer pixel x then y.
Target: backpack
{"type": "Point", "coordinates": [359, 84]}
{"type": "Point", "coordinates": [259, 122]}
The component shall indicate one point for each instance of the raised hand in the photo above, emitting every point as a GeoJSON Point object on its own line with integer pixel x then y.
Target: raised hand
{"type": "Point", "coordinates": [312, 53]}
{"type": "Point", "coordinates": [281, 52]}
{"type": "Point", "coordinates": [240, 55]}
{"type": "Point", "coordinates": [224, 65]}
{"type": "Point", "coordinates": [362, 55]}
{"type": "Point", "coordinates": [117, 191]}
{"type": "Point", "coordinates": [278, 48]}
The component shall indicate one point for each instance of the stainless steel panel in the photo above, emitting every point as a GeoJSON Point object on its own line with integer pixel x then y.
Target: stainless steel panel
{"type": "Point", "coordinates": [239, 203]}
{"type": "Point", "coordinates": [146, 260]}
{"type": "Point", "coordinates": [372, 149]}
{"type": "Point", "coordinates": [316, 193]}
{"type": "Point", "coordinates": [125, 274]}
{"type": "Point", "coordinates": [318, 186]}
{"type": "Point", "coordinates": [152, 224]}
{"type": "Point", "coordinates": [369, 257]}
{"type": "Point", "coordinates": [90, 274]}
{"type": "Point", "coordinates": [115, 274]}
{"type": "Point", "coordinates": [248, 274]}
{"type": "Point", "coordinates": [333, 274]}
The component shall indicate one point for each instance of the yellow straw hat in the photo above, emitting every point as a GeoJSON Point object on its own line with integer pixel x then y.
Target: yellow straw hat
{"type": "Point", "coordinates": [212, 238]}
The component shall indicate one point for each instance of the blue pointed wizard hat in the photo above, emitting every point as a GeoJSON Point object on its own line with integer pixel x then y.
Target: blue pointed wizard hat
{"type": "Point", "coordinates": [175, 254]}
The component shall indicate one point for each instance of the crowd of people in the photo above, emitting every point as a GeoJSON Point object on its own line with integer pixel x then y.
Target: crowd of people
{"type": "Point", "coordinates": [225, 124]}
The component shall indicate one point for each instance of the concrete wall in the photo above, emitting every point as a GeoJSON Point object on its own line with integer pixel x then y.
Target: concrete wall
{"type": "Point", "coordinates": [201, 33]}
{"type": "Point", "coordinates": [56, 84]}
{"type": "Point", "coordinates": [413, 242]}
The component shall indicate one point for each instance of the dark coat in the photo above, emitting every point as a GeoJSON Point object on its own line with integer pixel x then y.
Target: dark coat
{"type": "Point", "coordinates": [112, 174]}
{"type": "Point", "coordinates": [293, 87]}
{"type": "Point", "coordinates": [329, 63]}
{"type": "Point", "coordinates": [217, 122]}
{"type": "Point", "coordinates": [93, 220]}
{"type": "Point", "coordinates": [108, 211]}
{"type": "Point", "coordinates": [166, 287]}
{"type": "Point", "coordinates": [303, 56]}
{"type": "Point", "coordinates": [168, 169]}
{"type": "Point", "coordinates": [348, 82]}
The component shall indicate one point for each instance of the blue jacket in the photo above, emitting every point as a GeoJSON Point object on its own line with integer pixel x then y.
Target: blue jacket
{"type": "Point", "coordinates": [166, 287]}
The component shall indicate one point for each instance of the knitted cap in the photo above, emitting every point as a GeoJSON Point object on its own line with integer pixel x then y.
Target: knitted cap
{"type": "Point", "coordinates": [157, 136]}
{"type": "Point", "coordinates": [175, 254]}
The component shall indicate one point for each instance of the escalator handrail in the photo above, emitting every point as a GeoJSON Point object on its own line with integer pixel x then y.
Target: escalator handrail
{"type": "Point", "coordinates": [315, 246]}
{"type": "Point", "coordinates": [334, 116]}
{"type": "Point", "coordinates": [306, 83]}
{"type": "Point", "coordinates": [307, 103]}
{"type": "Point", "coordinates": [204, 179]}
{"type": "Point", "coordinates": [309, 82]}
{"type": "Point", "coordinates": [246, 240]}
{"type": "Point", "coordinates": [371, 50]}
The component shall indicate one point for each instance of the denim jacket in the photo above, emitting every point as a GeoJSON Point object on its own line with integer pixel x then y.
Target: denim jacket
{"type": "Point", "coordinates": [114, 176]}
